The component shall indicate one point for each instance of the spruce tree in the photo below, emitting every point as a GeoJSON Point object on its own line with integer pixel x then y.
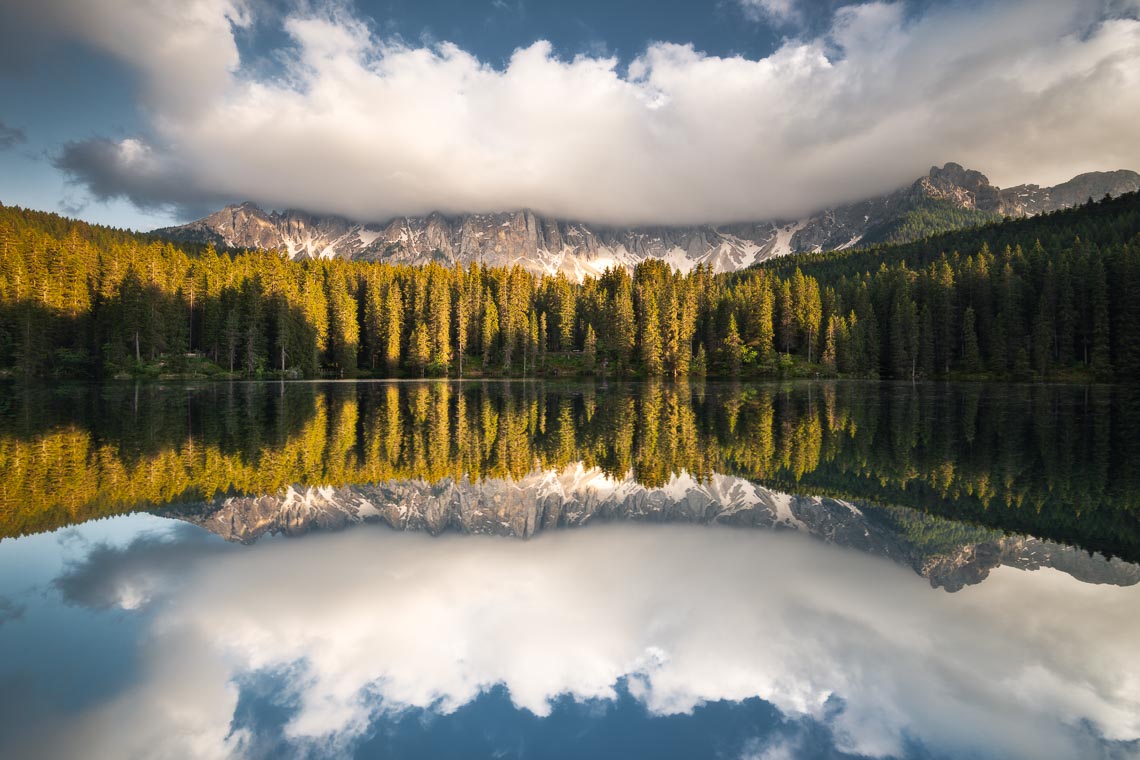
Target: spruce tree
{"type": "Point", "coordinates": [971, 356]}
{"type": "Point", "coordinates": [732, 351]}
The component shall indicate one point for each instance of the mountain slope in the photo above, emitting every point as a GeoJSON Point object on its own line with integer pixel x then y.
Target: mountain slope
{"type": "Point", "coordinates": [947, 198]}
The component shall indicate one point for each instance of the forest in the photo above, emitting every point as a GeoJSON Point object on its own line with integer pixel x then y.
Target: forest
{"type": "Point", "coordinates": [1055, 461]}
{"type": "Point", "coordinates": [1056, 296]}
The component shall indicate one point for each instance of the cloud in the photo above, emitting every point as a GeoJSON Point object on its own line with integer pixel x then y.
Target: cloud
{"type": "Point", "coordinates": [515, 8]}
{"type": "Point", "coordinates": [371, 127]}
{"type": "Point", "coordinates": [369, 622]}
{"type": "Point", "coordinates": [775, 11]}
{"type": "Point", "coordinates": [131, 169]}
{"type": "Point", "coordinates": [10, 137]}
{"type": "Point", "coordinates": [10, 610]}
{"type": "Point", "coordinates": [129, 577]}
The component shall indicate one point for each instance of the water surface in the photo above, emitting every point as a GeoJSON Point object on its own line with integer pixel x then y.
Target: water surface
{"type": "Point", "coordinates": [528, 570]}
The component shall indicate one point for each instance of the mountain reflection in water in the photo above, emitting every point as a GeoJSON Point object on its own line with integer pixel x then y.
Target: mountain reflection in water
{"type": "Point", "coordinates": [574, 497]}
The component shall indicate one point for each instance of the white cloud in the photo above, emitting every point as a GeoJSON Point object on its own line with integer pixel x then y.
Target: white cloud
{"type": "Point", "coordinates": [776, 11]}
{"type": "Point", "coordinates": [1035, 664]}
{"type": "Point", "coordinates": [370, 127]}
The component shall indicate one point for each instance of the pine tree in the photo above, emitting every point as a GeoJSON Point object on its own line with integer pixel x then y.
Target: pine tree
{"type": "Point", "coordinates": [590, 352]}
{"type": "Point", "coordinates": [623, 331]}
{"type": "Point", "coordinates": [567, 307]}
{"type": "Point", "coordinates": [765, 318]}
{"type": "Point", "coordinates": [807, 309]}
{"type": "Point", "coordinates": [1043, 324]}
{"type": "Point", "coordinates": [786, 328]}
{"type": "Point", "coordinates": [394, 325]}
{"type": "Point", "coordinates": [1101, 364]}
{"type": "Point", "coordinates": [344, 329]}
{"type": "Point", "coordinates": [649, 329]}
{"type": "Point", "coordinates": [542, 341]}
{"type": "Point", "coordinates": [925, 343]}
{"type": "Point", "coordinates": [830, 345]}
{"type": "Point", "coordinates": [439, 321]}
{"type": "Point", "coordinates": [462, 316]}
{"type": "Point", "coordinates": [700, 362]}
{"type": "Point", "coordinates": [419, 347]}
{"type": "Point", "coordinates": [971, 356]}
{"type": "Point", "coordinates": [490, 328]}
{"type": "Point", "coordinates": [732, 350]}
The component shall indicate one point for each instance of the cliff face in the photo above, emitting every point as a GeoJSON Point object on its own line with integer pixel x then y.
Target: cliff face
{"type": "Point", "coordinates": [547, 245]}
{"type": "Point", "coordinates": [574, 497]}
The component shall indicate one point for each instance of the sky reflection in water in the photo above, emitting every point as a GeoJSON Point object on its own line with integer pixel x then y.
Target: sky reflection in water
{"type": "Point", "coordinates": [375, 642]}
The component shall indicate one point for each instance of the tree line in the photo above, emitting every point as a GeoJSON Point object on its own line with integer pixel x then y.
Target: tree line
{"type": "Point", "coordinates": [1060, 295]}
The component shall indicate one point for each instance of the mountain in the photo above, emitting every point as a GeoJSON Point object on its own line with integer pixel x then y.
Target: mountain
{"type": "Point", "coordinates": [575, 496]}
{"type": "Point", "coordinates": [947, 198]}
{"type": "Point", "coordinates": [538, 243]}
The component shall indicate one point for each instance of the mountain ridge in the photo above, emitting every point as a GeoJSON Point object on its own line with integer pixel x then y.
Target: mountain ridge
{"type": "Point", "coordinates": [946, 198]}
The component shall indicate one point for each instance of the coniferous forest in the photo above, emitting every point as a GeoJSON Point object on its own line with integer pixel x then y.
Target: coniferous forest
{"type": "Point", "coordinates": [1052, 296]}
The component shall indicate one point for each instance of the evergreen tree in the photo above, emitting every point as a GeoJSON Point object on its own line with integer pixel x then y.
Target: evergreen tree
{"type": "Point", "coordinates": [590, 352]}
{"type": "Point", "coordinates": [926, 343]}
{"type": "Point", "coordinates": [971, 356]}
{"type": "Point", "coordinates": [393, 328]}
{"type": "Point", "coordinates": [542, 341]}
{"type": "Point", "coordinates": [344, 329]}
{"type": "Point", "coordinates": [462, 316]}
{"type": "Point", "coordinates": [732, 352]}
{"type": "Point", "coordinates": [439, 321]}
{"type": "Point", "coordinates": [490, 328]}
{"type": "Point", "coordinates": [1100, 362]}
{"type": "Point", "coordinates": [830, 345]}
{"type": "Point", "coordinates": [419, 348]}
{"type": "Point", "coordinates": [567, 307]}
{"type": "Point", "coordinates": [622, 332]}
{"type": "Point", "coordinates": [700, 362]}
{"type": "Point", "coordinates": [649, 329]}
{"type": "Point", "coordinates": [785, 316]}
{"type": "Point", "coordinates": [765, 318]}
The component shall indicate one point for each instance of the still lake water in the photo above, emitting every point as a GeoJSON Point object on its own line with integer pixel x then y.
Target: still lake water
{"type": "Point", "coordinates": [433, 569]}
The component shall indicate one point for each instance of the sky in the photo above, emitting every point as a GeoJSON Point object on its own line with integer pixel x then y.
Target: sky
{"type": "Point", "coordinates": [141, 113]}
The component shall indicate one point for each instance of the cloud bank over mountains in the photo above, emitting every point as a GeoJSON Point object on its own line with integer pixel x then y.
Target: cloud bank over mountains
{"type": "Point", "coordinates": [359, 124]}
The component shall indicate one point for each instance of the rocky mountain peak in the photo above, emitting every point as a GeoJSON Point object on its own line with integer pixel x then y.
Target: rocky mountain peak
{"type": "Point", "coordinates": [961, 187]}
{"type": "Point", "coordinates": [948, 197]}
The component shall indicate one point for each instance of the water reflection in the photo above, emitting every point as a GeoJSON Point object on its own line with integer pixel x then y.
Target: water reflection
{"type": "Point", "coordinates": [340, 635]}
{"type": "Point", "coordinates": [1056, 462]}
{"type": "Point", "coordinates": [709, 571]}
{"type": "Point", "coordinates": [952, 555]}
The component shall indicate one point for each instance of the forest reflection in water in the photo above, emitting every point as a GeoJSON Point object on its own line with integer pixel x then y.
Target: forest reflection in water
{"type": "Point", "coordinates": [1056, 462]}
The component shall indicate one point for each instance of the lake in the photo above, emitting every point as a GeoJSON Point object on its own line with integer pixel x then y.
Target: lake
{"type": "Point", "coordinates": [527, 569]}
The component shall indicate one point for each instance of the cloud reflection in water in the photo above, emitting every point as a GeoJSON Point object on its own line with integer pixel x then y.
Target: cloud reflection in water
{"type": "Point", "coordinates": [368, 622]}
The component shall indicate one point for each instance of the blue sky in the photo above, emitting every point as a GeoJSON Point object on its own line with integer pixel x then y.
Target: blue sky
{"type": "Point", "coordinates": [143, 113]}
